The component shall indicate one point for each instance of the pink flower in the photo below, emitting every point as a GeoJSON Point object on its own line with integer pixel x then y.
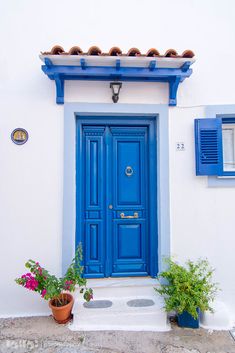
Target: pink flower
{"type": "Point", "coordinates": [44, 292]}
{"type": "Point", "coordinates": [40, 270]}
{"type": "Point", "coordinates": [34, 284]}
{"type": "Point", "coordinates": [68, 284]}
{"type": "Point", "coordinates": [31, 283]}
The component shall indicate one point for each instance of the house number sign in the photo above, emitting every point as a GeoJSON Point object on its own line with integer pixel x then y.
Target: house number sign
{"type": "Point", "coordinates": [19, 136]}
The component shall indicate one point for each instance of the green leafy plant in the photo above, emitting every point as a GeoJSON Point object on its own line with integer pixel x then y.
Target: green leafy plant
{"type": "Point", "coordinates": [188, 288]}
{"type": "Point", "coordinates": [38, 279]}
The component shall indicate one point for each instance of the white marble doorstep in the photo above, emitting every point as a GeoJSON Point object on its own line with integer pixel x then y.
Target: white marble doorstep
{"type": "Point", "coordinates": [121, 316]}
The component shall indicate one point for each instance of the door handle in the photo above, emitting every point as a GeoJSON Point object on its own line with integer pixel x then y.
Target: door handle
{"type": "Point", "coordinates": [136, 215]}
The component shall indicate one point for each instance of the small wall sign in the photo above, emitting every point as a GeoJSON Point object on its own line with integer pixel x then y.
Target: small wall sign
{"type": "Point", "coordinates": [180, 146]}
{"type": "Point", "coordinates": [19, 136]}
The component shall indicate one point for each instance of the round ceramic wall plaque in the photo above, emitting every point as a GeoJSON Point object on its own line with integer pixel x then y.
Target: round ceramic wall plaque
{"type": "Point", "coordinates": [19, 136]}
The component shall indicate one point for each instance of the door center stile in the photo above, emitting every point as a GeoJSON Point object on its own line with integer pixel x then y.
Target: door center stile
{"type": "Point", "coordinates": [108, 202]}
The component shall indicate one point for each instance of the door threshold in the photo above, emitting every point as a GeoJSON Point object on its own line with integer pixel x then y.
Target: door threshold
{"type": "Point", "coordinates": [121, 282]}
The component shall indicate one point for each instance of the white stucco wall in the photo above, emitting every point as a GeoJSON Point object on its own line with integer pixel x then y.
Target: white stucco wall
{"type": "Point", "coordinates": [202, 217]}
{"type": "Point", "coordinates": [31, 176]}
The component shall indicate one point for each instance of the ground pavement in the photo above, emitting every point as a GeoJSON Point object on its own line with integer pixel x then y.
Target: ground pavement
{"type": "Point", "coordinates": [43, 335]}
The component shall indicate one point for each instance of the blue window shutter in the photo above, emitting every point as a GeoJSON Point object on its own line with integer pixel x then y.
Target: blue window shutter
{"type": "Point", "coordinates": [208, 145]}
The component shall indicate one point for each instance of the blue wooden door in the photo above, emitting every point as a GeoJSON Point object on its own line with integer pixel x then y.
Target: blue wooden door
{"type": "Point", "coordinates": [116, 194]}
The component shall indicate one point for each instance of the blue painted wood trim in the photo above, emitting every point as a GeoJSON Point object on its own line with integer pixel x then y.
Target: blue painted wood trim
{"type": "Point", "coordinates": [226, 112]}
{"type": "Point", "coordinates": [69, 201]}
{"type": "Point", "coordinates": [208, 146]}
{"type": "Point", "coordinates": [173, 88]}
{"type": "Point", "coordinates": [60, 73]}
{"type": "Point", "coordinates": [108, 202]}
{"type": "Point", "coordinates": [59, 83]}
{"type": "Point", "coordinates": [153, 231]}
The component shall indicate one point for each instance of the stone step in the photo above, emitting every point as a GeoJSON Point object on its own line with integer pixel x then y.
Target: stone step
{"type": "Point", "coordinates": [120, 304]}
{"type": "Point", "coordinates": [121, 282]}
{"type": "Point", "coordinates": [117, 287]}
{"type": "Point", "coordinates": [127, 313]}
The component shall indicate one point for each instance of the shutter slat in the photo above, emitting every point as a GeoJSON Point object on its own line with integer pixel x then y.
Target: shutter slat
{"type": "Point", "coordinates": [208, 146]}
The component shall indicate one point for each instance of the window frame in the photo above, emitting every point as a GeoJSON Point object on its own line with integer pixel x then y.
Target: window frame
{"type": "Point", "coordinates": [227, 119]}
{"type": "Point", "coordinates": [228, 126]}
{"type": "Point", "coordinates": [227, 113]}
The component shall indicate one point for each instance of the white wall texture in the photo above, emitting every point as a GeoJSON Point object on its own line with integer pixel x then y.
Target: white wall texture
{"type": "Point", "coordinates": [31, 176]}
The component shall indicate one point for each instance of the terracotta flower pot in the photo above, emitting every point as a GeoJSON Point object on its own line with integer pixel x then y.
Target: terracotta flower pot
{"type": "Point", "coordinates": [62, 314]}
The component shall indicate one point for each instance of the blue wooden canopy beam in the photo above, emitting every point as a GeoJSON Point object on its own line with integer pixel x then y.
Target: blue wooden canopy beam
{"type": "Point", "coordinates": [118, 64]}
{"type": "Point", "coordinates": [173, 88]}
{"type": "Point", "coordinates": [152, 65]}
{"type": "Point", "coordinates": [60, 73]}
{"type": "Point", "coordinates": [59, 82]}
{"type": "Point", "coordinates": [83, 64]}
{"type": "Point", "coordinates": [185, 66]}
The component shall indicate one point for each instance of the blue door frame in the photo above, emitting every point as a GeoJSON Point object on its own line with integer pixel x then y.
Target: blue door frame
{"type": "Point", "coordinates": [152, 245]}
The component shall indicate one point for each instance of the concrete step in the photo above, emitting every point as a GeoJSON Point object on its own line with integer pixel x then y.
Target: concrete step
{"type": "Point", "coordinates": [120, 304]}
{"type": "Point", "coordinates": [118, 287]}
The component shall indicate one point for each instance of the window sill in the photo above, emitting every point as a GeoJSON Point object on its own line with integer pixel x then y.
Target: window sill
{"type": "Point", "coordinates": [221, 181]}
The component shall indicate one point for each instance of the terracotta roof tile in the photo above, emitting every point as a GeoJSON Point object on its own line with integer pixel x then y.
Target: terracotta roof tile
{"type": "Point", "coordinates": [171, 53]}
{"type": "Point", "coordinates": [75, 51]}
{"type": "Point", "coordinates": [152, 52]}
{"type": "Point", "coordinates": [188, 54]}
{"type": "Point", "coordinates": [116, 51]}
{"type": "Point", "coordinates": [133, 52]}
{"type": "Point", "coordinates": [94, 51]}
{"type": "Point", "coordinates": [57, 50]}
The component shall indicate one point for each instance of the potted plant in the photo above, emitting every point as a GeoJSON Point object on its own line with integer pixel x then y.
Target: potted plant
{"type": "Point", "coordinates": [57, 289]}
{"type": "Point", "coordinates": [187, 289]}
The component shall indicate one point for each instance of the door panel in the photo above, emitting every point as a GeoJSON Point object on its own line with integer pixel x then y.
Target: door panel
{"type": "Point", "coordinates": [129, 247]}
{"type": "Point", "coordinates": [128, 153]}
{"type": "Point", "coordinates": [94, 156]}
{"type": "Point", "coordinates": [128, 241]}
{"type": "Point", "coordinates": [93, 247]}
{"type": "Point", "coordinates": [129, 161]}
{"type": "Point", "coordinates": [116, 238]}
{"type": "Point", "coordinates": [93, 181]}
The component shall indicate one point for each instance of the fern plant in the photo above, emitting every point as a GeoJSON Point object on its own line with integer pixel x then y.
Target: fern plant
{"type": "Point", "coordinates": [188, 288]}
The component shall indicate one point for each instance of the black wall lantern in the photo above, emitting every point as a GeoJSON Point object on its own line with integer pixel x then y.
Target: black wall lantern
{"type": "Point", "coordinates": [115, 86]}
